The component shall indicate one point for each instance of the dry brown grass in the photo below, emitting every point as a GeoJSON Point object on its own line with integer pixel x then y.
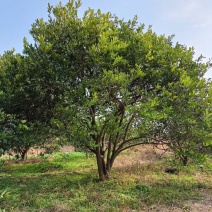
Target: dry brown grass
{"type": "Point", "coordinates": [138, 164]}
{"type": "Point", "coordinates": [143, 154]}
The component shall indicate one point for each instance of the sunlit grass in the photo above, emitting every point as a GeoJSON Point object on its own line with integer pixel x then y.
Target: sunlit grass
{"type": "Point", "coordinates": [69, 182]}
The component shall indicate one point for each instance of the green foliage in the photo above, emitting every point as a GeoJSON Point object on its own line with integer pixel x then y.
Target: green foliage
{"type": "Point", "coordinates": [3, 193]}
{"type": "Point", "coordinates": [187, 127]}
{"type": "Point", "coordinates": [21, 124]}
{"type": "Point", "coordinates": [18, 136]}
{"type": "Point", "coordinates": [106, 84]}
{"type": "Point", "coordinates": [121, 86]}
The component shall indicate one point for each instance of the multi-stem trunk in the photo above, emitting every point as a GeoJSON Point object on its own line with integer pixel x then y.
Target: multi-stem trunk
{"type": "Point", "coordinates": [105, 161]}
{"type": "Point", "coordinates": [103, 168]}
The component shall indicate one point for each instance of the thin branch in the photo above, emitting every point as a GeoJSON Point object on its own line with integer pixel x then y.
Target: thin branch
{"type": "Point", "coordinates": [118, 133]}
{"type": "Point", "coordinates": [128, 125]}
{"type": "Point", "coordinates": [126, 141]}
{"type": "Point", "coordinates": [136, 144]}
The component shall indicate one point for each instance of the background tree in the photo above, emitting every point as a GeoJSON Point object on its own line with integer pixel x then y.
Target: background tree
{"type": "Point", "coordinates": [16, 136]}
{"type": "Point", "coordinates": [23, 116]}
{"type": "Point", "coordinates": [3, 135]}
{"type": "Point", "coordinates": [187, 128]}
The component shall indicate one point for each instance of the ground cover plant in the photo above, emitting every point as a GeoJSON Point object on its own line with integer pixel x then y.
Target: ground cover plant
{"type": "Point", "coordinates": [68, 182]}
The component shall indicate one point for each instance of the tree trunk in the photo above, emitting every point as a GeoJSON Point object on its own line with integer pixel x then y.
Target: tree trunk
{"type": "Point", "coordinates": [103, 170]}
{"type": "Point", "coordinates": [184, 159]}
{"type": "Point", "coordinates": [23, 154]}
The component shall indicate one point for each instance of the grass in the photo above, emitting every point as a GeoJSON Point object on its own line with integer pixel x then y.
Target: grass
{"type": "Point", "coordinates": [69, 182]}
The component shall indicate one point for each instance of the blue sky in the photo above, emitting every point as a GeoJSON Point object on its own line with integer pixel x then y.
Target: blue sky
{"type": "Point", "coordinates": [189, 20]}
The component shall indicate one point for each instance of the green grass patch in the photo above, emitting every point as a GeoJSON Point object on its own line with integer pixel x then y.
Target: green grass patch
{"type": "Point", "coordinates": [69, 182]}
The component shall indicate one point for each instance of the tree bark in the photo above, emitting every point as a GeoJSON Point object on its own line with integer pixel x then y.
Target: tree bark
{"type": "Point", "coordinates": [184, 159]}
{"type": "Point", "coordinates": [24, 154]}
{"type": "Point", "coordinates": [103, 175]}
{"type": "Point", "coordinates": [103, 166]}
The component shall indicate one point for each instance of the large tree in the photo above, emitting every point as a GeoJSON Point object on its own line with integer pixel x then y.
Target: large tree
{"type": "Point", "coordinates": [113, 75]}
{"type": "Point", "coordinates": [103, 79]}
